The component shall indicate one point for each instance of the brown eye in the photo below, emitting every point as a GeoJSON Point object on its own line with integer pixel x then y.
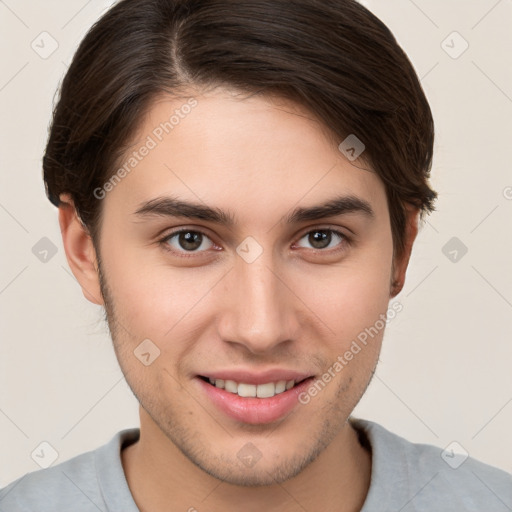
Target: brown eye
{"type": "Point", "coordinates": [321, 239]}
{"type": "Point", "coordinates": [187, 240]}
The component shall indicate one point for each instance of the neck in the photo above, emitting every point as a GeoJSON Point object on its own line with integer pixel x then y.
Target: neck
{"type": "Point", "coordinates": [160, 476]}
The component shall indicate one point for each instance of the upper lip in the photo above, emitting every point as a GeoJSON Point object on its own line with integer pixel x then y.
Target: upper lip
{"type": "Point", "coordinates": [248, 377]}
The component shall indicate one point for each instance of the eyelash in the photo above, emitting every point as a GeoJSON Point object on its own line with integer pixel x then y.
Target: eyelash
{"type": "Point", "coordinates": [345, 241]}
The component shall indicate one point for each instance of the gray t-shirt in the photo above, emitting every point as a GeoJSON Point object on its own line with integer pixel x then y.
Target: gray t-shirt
{"type": "Point", "coordinates": [405, 477]}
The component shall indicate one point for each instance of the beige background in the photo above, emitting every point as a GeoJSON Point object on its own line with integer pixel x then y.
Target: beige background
{"type": "Point", "coordinates": [445, 371]}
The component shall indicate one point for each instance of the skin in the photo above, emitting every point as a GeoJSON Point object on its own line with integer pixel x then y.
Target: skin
{"type": "Point", "coordinates": [296, 306]}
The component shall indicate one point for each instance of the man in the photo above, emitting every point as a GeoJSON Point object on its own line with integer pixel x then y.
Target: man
{"type": "Point", "coordinates": [240, 185]}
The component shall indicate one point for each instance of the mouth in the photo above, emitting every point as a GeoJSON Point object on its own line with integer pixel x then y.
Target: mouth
{"type": "Point", "coordinates": [246, 390]}
{"type": "Point", "coordinates": [254, 403]}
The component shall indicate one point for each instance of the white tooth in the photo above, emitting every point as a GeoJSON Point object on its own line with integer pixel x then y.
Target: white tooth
{"type": "Point", "coordinates": [231, 386]}
{"type": "Point", "coordinates": [246, 390]}
{"type": "Point", "coordinates": [265, 390]}
{"type": "Point", "coordinates": [280, 386]}
{"type": "Point", "coordinates": [212, 381]}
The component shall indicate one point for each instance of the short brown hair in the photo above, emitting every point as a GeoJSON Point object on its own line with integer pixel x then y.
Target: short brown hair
{"type": "Point", "coordinates": [333, 57]}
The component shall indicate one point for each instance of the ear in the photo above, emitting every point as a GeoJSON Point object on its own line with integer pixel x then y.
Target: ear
{"type": "Point", "coordinates": [400, 264]}
{"type": "Point", "coordinates": [80, 251]}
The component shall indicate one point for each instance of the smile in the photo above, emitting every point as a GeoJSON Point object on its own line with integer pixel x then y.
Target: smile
{"type": "Point", "coordinates": [242, 389]}
{"type": "Point", "coordinates": [264, 401]}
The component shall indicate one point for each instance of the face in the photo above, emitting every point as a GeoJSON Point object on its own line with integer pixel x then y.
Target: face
{"type": "Point", "coordinates": [278, 294]}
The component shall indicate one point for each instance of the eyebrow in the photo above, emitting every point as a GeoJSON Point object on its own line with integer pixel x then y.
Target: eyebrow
{"type": "Point", "coordinates": [174, 207]}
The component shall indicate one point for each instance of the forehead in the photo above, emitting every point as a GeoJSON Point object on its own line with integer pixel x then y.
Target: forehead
{"type": "Point", "coordinates": [260, 153]}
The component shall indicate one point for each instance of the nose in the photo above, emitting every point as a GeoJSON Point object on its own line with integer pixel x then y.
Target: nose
{"type": "Point", "coordinates": [258, 309]}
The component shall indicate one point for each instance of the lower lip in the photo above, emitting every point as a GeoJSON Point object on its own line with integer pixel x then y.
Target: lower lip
{"type": "Point", "coordinates": [254, 410]}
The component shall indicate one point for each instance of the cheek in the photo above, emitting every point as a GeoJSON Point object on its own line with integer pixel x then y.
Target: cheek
{"type": "Point", "coordinates": [352, 295]}
{"type": "Point", "coordinates": [153, 299]}
{"type": "Point", "coordinates": [153, 302]}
